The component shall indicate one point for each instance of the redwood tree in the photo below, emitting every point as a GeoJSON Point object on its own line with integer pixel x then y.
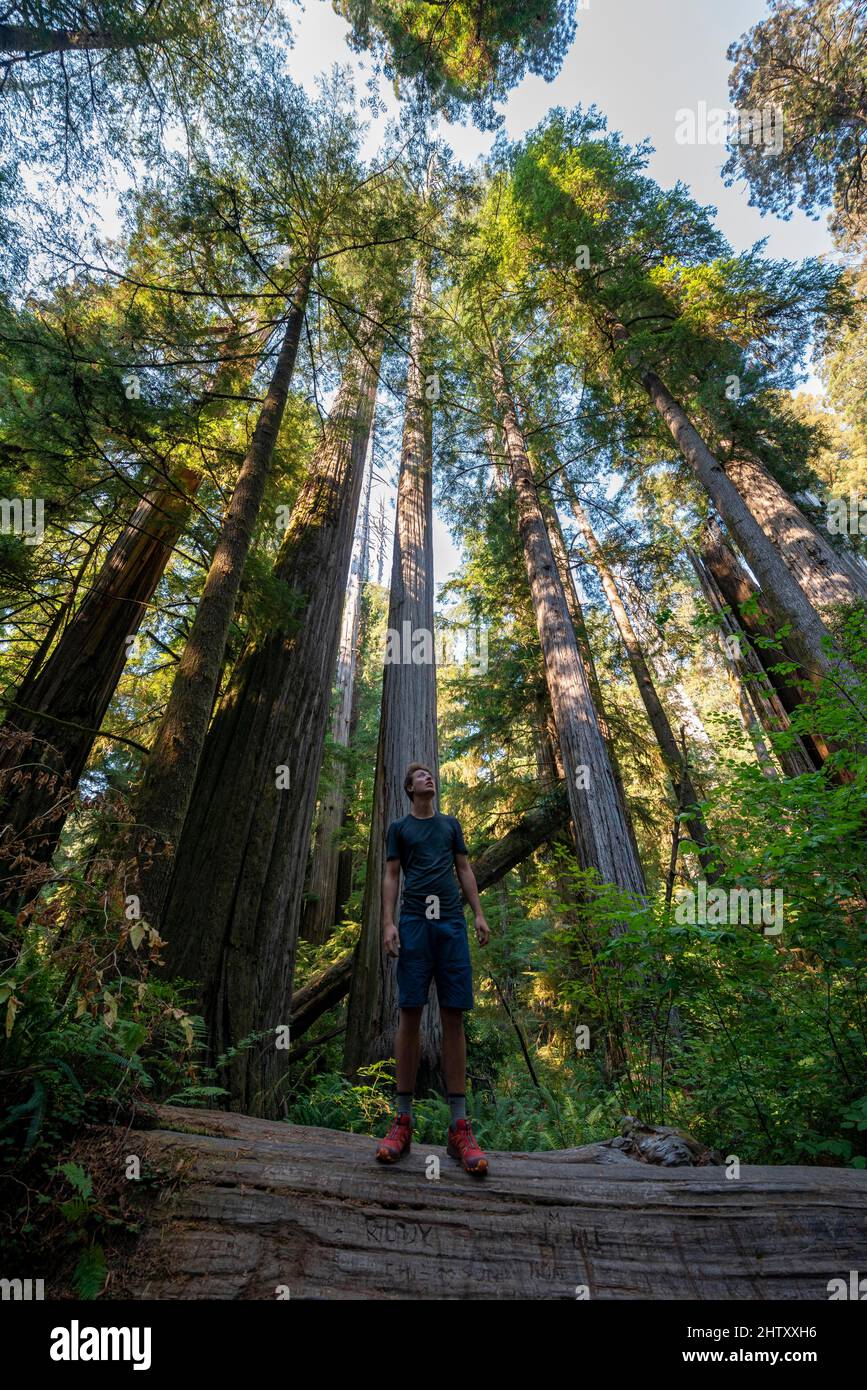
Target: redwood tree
{"type": "Point", "coordinates": [234, 902]}
{"type": "Point", "coordinates": [171, 767]}
{"type": "Point", "coordinates": [408, 726]}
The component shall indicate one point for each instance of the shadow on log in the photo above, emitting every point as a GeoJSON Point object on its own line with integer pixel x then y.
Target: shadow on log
{"type": "Point", "coordinates": [249, 1207]}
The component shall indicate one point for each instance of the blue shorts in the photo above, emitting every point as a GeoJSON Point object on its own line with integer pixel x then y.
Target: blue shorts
{"type": "Point", "coordinates": [439, 950]}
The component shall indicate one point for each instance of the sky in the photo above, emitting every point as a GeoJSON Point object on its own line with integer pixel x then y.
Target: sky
{"type": "Point", "coordinates": [641, 64]}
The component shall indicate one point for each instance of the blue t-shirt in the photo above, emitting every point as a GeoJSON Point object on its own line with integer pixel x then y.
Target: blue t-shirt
{"type": "Point", "coordinates": [426, 847]}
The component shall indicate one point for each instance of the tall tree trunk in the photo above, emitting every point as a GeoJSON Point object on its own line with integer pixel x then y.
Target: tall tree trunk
{"type": "Point", "coordinates": [576, 613]}
{"type": "Point", "coordinates": [786, 600]}
{"type": "Point", "coordinates": [56, 715]}
{"type": "Point", "coordinates": [318, 917]}
{"type": "Point", "coordinates": [346, 862]}
{"type": "Point", "coordinates": [174, 758]}
{"type": "Point", "coordinates": [681, 783]}
{"type": "Point", "coordinates": [544, 735]}
{"type": "Point", "coordinates": [826, 576]}
{"type": "Point", "coordinates": [756, 697]}
{"type": "Point", "coordinates": [407, 727]}
{"type": "Point", "coordinates": [602, 837]}
{"type": "Point", "coordinates": [234, 902]}
{"type": "Point", "coordinates": [746, 602]}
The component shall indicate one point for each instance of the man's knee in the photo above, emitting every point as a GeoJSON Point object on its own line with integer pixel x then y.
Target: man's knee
{"type": "Point", "coordinates": [411, 1018]}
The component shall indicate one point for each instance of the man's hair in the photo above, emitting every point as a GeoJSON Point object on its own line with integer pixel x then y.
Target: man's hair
{"type": "Point", "coordinates": [410, 773]}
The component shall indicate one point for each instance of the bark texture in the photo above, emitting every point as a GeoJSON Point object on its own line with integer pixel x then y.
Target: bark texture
{"type": "Point", "coordinates": [740, 595]}
{"type": "Point", "coordinates": [407, 726]}
{"type": "Point", "coordinates": [681, 783]}
{"type": "Point", "coordinates": [602, 837]}
{"type": "Point", "coordinates": [576, 613]}
{"type": "Point", "coordinates": [785, 599]}
{"type": "Point", "coordinates": [171, 768]}
{"type": "Point", "coordinates": [827, 578]}
{"type": "Point", "coordinates": [235, 898]}
{"type": "Point", "coordinates": [258, 1205]}
{"type": "Point", "coordinates": [320, 906]}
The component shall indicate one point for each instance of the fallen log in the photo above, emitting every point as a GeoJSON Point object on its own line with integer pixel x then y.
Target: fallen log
{"type": "Point", "coordinates": [254, 1209]}
{"type": "Point", "coordinates": [538, 825]}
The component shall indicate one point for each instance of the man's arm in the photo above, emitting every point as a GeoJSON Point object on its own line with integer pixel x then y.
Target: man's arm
{"type": "Point", "coordinates": [390, 885]}
{"type": "Point", "coordinates": [471, 893]}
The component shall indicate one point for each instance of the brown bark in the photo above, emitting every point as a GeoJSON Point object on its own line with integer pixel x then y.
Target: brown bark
{"type": "Point", "coordinates": [234, 903]}
{"type": "Point", "coordinates": [785, 599]}
{"type": "Point", "coordinates": [346, 862]}
{"type": "Point", "coordinates": [684, 792]}
{"type": "Point", "coordinates": [824, 574]}
{"type": "Point", "coordinates": [319, 915]}
{"type": "Point", "coordinates": [171, 768]}
{"type": "Point", "coordinates": [739, 593]}
{"type": "Point", "coordinates": [407, 728]}
{"type": "Point", "coordinates": [56, 715]}
{"type": "Point", "coordinates": [544, 735]}
{"type": "Point", "coordinates": [265, 1207]}
{"type": "Point", "coordinates": [602, 837]}
{"type": "Point", "coordinates": [758, 702]}
{"type": "Point", "coordinates": [576, 613]}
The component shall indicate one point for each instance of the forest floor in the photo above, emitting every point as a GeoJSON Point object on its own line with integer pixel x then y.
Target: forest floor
{"type": "Point", "coordinates": [235, 1207]}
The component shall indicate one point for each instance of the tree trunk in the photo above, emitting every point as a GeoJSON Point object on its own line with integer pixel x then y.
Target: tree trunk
{"type": "Point", "coordinates": [681, 783]}
{"type": "Point", "coordinates": [318, 918]}
{"type": "Point", "coordinates": [756, 697]}
{"type": "Point", "coordinates": [234, 903]}
{"type": "Point", "coordinates": [246, 1209]}
{"type": "Point", "coordinates": [739, 593]}
{"type": "Point", "coordinates": [346, 860]}
{"type": "Point", "coordinates": [784, 597]}
{"type": "Point", "coordinates": [825, 576]}
{"type": "Point", "coordinates": [407, 728]}
{"type": "Point", "coordinates": [576, 613]}
{"type": "Point", "coordinates": [602, 837]}
{"type": "Point", "coordinates": [171, 769]}
{"type": "Point", "coordinates": [56, 715]}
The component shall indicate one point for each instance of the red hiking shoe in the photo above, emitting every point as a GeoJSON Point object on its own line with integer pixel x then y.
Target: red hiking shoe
{"type": "Point", "coordinates": [462, 1145]}
{"type": "Point", "coordinates": [397, 1142]}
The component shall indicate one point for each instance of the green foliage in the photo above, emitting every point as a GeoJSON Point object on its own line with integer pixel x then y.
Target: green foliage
{"type": "Point", "coordinates": [88, 1031]}
{"type": "Point", "coordinates": [465, 51]}
{"type": "Point", "coordinates": [806, 60]}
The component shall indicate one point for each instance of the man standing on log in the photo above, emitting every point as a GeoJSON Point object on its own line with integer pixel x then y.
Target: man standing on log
{"type": "Point", "coordinates": [431, 943]}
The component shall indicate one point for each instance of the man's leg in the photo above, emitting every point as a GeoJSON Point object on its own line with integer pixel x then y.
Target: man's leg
{"type": "Point", "coordinates": [407, 1048]}
{"type": "Point", "coordinates": [454, 979]}
{"type": "Point", "coordinates": [454, 1051]}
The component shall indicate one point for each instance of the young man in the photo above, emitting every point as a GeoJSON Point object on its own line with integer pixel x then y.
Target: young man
{"type": "Point", "coordinates": [432, 943]}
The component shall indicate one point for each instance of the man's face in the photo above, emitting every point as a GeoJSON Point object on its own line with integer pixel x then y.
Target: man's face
{"type": "Point", "coordinates": [422, 782]}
